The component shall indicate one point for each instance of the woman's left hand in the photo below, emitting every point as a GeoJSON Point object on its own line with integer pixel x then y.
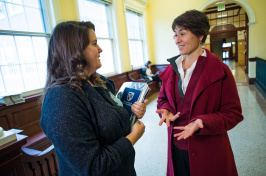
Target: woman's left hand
{"type": "Point", "coordinates": [189, 129]}
{"type": "Point", "coordinates": [139, 108]}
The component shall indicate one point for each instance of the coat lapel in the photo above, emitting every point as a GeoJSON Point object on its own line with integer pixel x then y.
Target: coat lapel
{"type": "Point", "coordinates": [168, 78]}
{"type": "Point", "coordinates": [213, 71]}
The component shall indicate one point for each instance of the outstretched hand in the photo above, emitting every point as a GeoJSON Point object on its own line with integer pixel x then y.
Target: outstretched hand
{"type": "Point", "coordinates": [167, 116]}
{"type": "Point", "coordinates": [189, 129]}
{"type": "Point", "coordinates": [139, 108]}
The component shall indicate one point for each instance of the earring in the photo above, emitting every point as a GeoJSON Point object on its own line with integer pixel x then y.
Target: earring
{"type": "Point", "coordinates": [200, 42]}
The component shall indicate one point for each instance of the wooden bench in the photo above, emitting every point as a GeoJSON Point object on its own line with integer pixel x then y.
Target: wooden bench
{"type": "Point", "coordinates": [39, 158]}
{"type": "Point", "coordinates": [135, 77]}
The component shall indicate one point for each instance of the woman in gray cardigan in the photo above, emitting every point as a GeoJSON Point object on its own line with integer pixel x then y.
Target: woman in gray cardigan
{"type": "Point", "coordinates": [90, 131]}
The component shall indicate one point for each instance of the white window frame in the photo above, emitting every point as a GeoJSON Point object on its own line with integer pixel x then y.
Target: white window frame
{"type": "Point", "coordinates": [50, 19]}
{"type": "Point", "coordinates": [112, 5]}
{"type": "Point", "coordinates": [141, 40]}
{"type": "Point", "coordinates": [139, 7]}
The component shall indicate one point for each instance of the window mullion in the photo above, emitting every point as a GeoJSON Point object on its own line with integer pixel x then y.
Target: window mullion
{"type": "Point", "coordinates": [23, 33]}
{"type": "Point", "coordinates": [19, 65]}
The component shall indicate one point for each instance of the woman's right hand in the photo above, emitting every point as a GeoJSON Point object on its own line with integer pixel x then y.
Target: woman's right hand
{"type": "Point", "coordinates": [167, 116]}
{"type": "Point", "coordinates": [137, 131]}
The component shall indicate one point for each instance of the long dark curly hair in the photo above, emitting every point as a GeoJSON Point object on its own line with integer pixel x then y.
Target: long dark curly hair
{"type": "Point", "coordinates": [66, 61]}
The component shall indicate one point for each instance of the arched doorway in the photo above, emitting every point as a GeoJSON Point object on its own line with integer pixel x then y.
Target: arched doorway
{"type": "Point", "coordinates": [229, 26]}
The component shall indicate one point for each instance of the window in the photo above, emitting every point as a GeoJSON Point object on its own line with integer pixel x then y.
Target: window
{"type": "Point", "coordinates": [229, 18]}
{"type": "Point", "coordinates": [225, 54]}
{"type": "Point", "coordinates": [225, 45]}
{"type": "Point", "coordinates": [99, 14]}
{"type": "Point", "coordinates": [23, 46]}
{"type": "Point", "coordinates": [135, 39]}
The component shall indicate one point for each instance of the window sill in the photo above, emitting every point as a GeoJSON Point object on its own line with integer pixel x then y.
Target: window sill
{"type": "Point", "coordinates": [28, 99]}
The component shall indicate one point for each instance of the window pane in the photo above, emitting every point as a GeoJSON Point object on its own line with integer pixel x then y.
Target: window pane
{"type": "Point", "coordinates": [136, 53]}
{"type": "Point", "coordinates": [12, 79]}
{"type": "Point", "coordinates": [30, 76]}
{"type": "Point", "coordinates": [15, 1]}
{"type": "Point", "coordinates": [16, 17]}
{"type": "Point", "coordinates": [3, 17]}
{"type": "Point", "coordinates": [96, 13]}
{"type": "Point", "coordinates": [236, 11]}
{"type": "Point", "coordinates": [106, 57]}
{"type": "Point", "coordinates": [224, 21]}
{"type": "Point", "coordinates": [133, 25]}
{"type": "Point", "coordinates": [42, 70]}
{"type": "Point", "coordinates": [236, 24]}
{"type": "Point", "coordinates": [213, 15]}
{"type": "Point", "coordinates": [236, 18]}
{"type": "Point", "coordinates": [25, 49]}
{"type": "Point", "coordinates": [21, 18]}
{"type": "Point", "coordinates": [34, 19]}
{"type": "Point", "coordinates": [8, 52]}
{"type": "Point", "coordinates": [40, 48]}
{"type": "Point", "coordinates": [32, 3]}
{"type": "Point", "coordinates": [242, 23]}
{"type": "Point", "coordinates": [218, 14]}
{"type": "Point", "coordinates": [219, 21]}
{"type": "Point", "coordinates": [242, 17]}
{"type": "Point", "coordinates": [230, 20]}
{"type": "Point", "coordinates": [230, 13]}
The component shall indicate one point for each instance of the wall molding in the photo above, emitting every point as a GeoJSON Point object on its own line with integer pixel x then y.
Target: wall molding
{"type": "Point", "coordinates": [252, 59]}
{"type": "Point", "coordinates": [251, 80]}
{"type": "Point", "coordinates": [138, 6]}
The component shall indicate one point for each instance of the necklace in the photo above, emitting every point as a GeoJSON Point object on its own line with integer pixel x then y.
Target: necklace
{"type": "Point", "coordinates": [183, 65]}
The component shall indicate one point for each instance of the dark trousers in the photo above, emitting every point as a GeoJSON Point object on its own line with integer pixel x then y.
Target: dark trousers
{"type": "Point", "coordinates": [180, 161]}
{"type": "Point", "coordinates": [156, 78]}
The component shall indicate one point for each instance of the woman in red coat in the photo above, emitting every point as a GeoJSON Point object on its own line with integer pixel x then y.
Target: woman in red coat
{"type": "Point", "coordinates": [199, 103]}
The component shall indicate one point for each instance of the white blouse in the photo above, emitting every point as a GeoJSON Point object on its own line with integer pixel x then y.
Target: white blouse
{"type": "Point", "coordinates": [148, 73]}
{"type": "Point", "coordinates": [189, 71]}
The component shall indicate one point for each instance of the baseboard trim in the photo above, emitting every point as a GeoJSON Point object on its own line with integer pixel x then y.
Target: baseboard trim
{"type": "Point", "coordinates": [251, 80]}
{"type": "Point", "coordinates": [260, 88]}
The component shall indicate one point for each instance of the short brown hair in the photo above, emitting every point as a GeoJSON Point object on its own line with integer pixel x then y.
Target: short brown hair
{"type": "Point", "coordinates": [195, 21]}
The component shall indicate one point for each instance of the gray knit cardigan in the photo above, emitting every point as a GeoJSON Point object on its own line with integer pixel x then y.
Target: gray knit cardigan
{"type": "Point", "coordinates": [88, 131]}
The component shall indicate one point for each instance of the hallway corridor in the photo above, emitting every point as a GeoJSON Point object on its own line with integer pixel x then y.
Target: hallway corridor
{"type": "Point", "coordinates": [248, 138]}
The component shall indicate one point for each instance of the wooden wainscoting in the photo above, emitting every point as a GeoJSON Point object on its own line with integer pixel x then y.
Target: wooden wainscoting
{"type": "Point", "coordinates": [260, 81]}
{"type": "Point", "coordinates": [24, 116]}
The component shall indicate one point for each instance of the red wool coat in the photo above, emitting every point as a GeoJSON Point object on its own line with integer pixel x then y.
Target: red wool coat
{"type": "Point", "coordinates": [216, 102]}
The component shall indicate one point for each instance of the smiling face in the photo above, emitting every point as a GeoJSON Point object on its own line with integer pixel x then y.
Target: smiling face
{"type": "Point", "coordinates": [187, 42]}
{"type": "Point", "coordinates": [92, 54]}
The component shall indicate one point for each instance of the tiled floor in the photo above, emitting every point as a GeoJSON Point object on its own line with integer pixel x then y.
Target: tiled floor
{"type": "Point", "coordinates": [248, 138]}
